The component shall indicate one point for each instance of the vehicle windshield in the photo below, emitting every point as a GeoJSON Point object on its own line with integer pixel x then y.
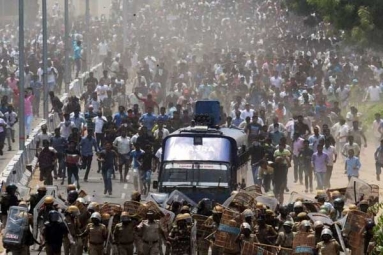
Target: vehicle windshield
{"type": "Point", "coordinates": [195, 174]}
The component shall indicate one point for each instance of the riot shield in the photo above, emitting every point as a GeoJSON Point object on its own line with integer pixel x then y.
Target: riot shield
{"type": "Point", "coordinates": [357, 190]}
{"type": "Point", "coordinates": [271, 202]}
{"type": "Point", "coordinates": [23, 191]}
{"type": "Point", "coordinates": [159, 198]}
{"type": "Point", "coordinates": [17, 221]}
{"type": "Point", "coordinates": [177, 196]}
{"type": "Point", "coordinates": [321, 217]}
{"type": "Point", "coordinates": [58, 202]}
{"type": "Point", "coordinates": [52, 190]}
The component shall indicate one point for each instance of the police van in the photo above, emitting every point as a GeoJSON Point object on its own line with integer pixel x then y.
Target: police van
{"type": "Point", "coordinates": [204, 160]}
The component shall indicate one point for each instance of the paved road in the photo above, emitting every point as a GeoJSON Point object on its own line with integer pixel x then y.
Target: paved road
{"type": "Point", "coordinates": [122, 191]}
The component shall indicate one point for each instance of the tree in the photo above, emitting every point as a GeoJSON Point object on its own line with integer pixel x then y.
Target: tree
{"type": "Point", "coordinates": [361, 20]}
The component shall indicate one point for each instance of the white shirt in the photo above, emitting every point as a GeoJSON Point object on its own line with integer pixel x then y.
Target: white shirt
{"type": "Point", "coordinates": [99, 123]}
{"type": "Point", "coordinates": [1, 127]}
{"type": "Point", "coordinates": [247, 113]}
{"type": "Point", "coordinates": [374, 93]}
{"type": "Point", "coordinates": [375, 128]}
{"type": "Point", "coordinates": [165, 133]}
{"type": "Point", "coordinates": [330, 151]}
{"type": "Point", "coordinates": [343, 132]}
{"type": "Point", "coordinates": [122, 144]}
{"type": "Point", "coordinates": [66, 130]}
{"type": "Point", "coordinates": [260, 121]}
{"type": "Point", "coordinates": [159, 154]}
{"type": "Point", "coordinates": [103, 49]}
{"type": "Point", "coordinates": [52, 72]}
{"type": "Point", "coordinates": [276, 82]}
{"type": "Point", "coordinates": [10, 118]}
{"type": "Point", "coordinates": [101, 91]}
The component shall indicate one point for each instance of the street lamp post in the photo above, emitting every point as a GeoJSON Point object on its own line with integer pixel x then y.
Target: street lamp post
{"type": "Point", "coordinates": [67, 48]}
{"type": "Point", "coordinates": [45, 59]}
{"type": "Point", "coordinates": [21, 76]}
{"type": "Point", "coordinates": [88, 50]}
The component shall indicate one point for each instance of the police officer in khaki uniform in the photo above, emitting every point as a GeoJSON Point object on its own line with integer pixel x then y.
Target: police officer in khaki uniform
{"type": "Point", "coordinates": [328, 245]}
{"type": "Point", "coordinates": [286, 237]}
{"type": "Point", "coordinates": [97, 233]}
{"type": "Point", "coordinates": [151, 232]}
{"type": "Point", "coordinates": [73, 223]}
{"type": "Point", "coordinates": [124, 235]}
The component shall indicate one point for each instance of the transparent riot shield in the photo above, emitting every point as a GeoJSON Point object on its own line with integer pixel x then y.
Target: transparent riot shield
{"type": "Point", "coordinates": [17, 221]}
{"type": "Point", "coordinates": [178, 196]}
{"type": "Point", "coordinates": [58, 203]}
{"type": "Point", "coordinates": [52, 190]}
{"type": "Point", "coordinates": [159, 198]}
{"type": "Point", "coordinates": [23, 192]}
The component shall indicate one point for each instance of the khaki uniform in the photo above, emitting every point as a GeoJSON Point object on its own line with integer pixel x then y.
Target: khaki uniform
{"type": "Point", "coordinates": [123, 237]}
{"type": "Point", "coordinates": [330, 248]}
{"type": "Point", "coordinates": [150, 237]}
{"type": "Point", "coordinates": [285, 240]}
{"type": "Point", "coordinates": [74, 230]}
{"type": "Point", "coordinates": [97, 237]}
{"type": "Point", "coordinates": [266, 234]}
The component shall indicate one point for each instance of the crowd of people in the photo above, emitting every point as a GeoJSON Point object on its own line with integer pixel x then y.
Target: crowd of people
{"type": "Point", "coordinates": [180, 228]}
{"type": "Point", "coordinates": [292, 90]}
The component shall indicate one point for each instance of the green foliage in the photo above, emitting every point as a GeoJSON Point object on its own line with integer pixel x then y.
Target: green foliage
{"type": "Point", "coordinates": [378, 233]}
{"type": "Point", "coordinates": [361, 20]}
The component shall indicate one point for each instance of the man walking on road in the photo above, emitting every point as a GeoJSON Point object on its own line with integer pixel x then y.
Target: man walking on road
{"type": "Point", "coordinates": [319, 162]}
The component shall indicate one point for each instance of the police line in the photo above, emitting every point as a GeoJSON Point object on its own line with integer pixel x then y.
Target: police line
{"type": "Point", "coordinates": [20, 168]}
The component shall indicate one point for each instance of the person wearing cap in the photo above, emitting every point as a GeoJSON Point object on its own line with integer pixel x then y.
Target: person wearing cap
{"type": "Point", "coordinates": [285, 238]}
{"type": "Point", "coordinates": [124, 234]}
{"type": "Point", "coordinates": [36, 197]}
{"type": "Point", "coordinates": [180, 235]}
{"type": "Point", "coordinates": [328, 245]}
{"type": "Point", "coordinates": [150, 231]}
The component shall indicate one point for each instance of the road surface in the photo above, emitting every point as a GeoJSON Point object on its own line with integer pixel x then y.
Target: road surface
{"type": "Point", "coordinates": [122, 191]}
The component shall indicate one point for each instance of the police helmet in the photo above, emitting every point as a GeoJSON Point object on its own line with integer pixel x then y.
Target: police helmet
{"type": "Point", "coordinates": [326, 231]}
{"type": "Point", "coordinates": [54, 216]}
{"type": "Point", "coordinates": [96, 215]}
